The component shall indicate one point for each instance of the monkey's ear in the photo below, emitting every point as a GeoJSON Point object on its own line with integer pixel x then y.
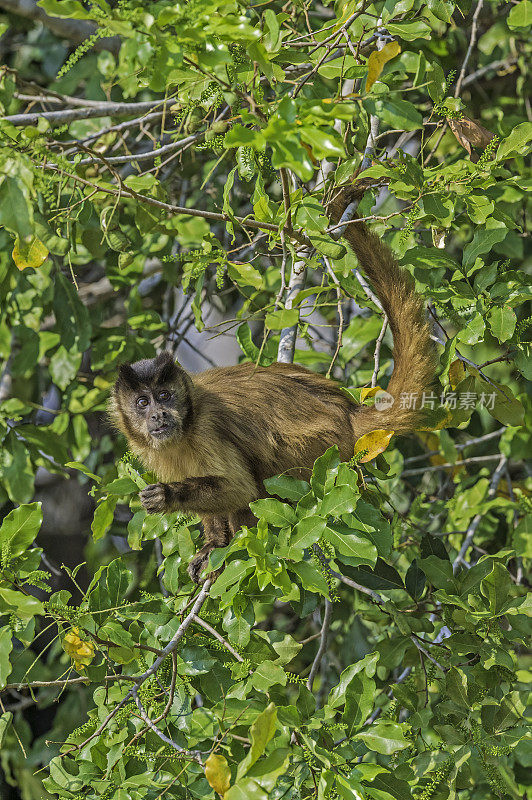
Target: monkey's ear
{"type": "Point", "coordinates": [165, 368]}
{"type": "Point", "coordinates": [127, 377]}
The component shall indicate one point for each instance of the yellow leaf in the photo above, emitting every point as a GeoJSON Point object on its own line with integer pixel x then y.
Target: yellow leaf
{"type": "Point", "coordinates": [218, 773]}
{"type": "Point", "coordinates": [30, 253]}
{"type": "Point", "coordinates": [374, 442]}
{"type": "Point", "coordinates": [81, 652]}
{"type": "Point", "coordinates": [457, 373]}
{"type": "Point", "coordinates": [369, 392]}
{"type": "Point", "coordinates": [378, 59]}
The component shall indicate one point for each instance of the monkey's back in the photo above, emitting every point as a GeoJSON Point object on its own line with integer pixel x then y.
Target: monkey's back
{"type": "Point", "coordinates": [280, 417]}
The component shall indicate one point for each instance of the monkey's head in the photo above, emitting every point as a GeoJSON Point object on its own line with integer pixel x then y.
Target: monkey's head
{"type": "Point", "coordinates": [151, 401]}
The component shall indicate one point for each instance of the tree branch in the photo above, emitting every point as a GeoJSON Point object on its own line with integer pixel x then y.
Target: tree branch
{"type": "Point", "coordinates": [76, 30]}
{"type": "Point", "coordinates": [497, 475]}
{"type": "Point", "coordinates": [323, 643]}
{"type": "Point", "coordinates": [84, 112]}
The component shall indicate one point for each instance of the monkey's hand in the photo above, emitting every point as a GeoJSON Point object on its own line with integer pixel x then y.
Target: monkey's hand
{"type": "Point", "coordinates": [156, 498]}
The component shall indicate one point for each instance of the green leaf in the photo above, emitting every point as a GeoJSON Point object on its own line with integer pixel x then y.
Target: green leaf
{"type": "Point", "coordinates": [483, 241]}
{"type": "Point", "coordinates": [439, 573]}
{"type": "Point", "coordinates": [496, 586]}
{"type": "Point", "coordinates": [389, 786]}
{"type": "Point", "coordinates": [266, 771]}
{"type": "Point", "coordinates": [518, 141]}
{"type": "Point", "coordinates": [502, 321]}
{"type": "Point", "coordinates": [262, 730]}
{"type": "Point", "coordinates": [456, 684]}
{"type": "Point", "coordinates": [15, 212]}
{"type": "Point", "coordinates": [78, 465]}
{"type": "Point", "coordinates": [71, 315]}
{"type": "Point", "coordinates": [16, 470]}
{"type": "Point", "coordinates": [103, 517]}
{"type": "Point", "coordinates": [396, 113]}
{"type": "Point", "coordinates": [64, 366]}
{"type": "Point", "coordinates": [473, 331]}
{"type": "Point", "coordinates": [385, 737]}
{"type": "Point", "coordinates": [522, 537]}
{"type": "Point", "coordinates": [382, 576]}
{"type": "Point", "coordinates": [245, 275]}
{"type": "Point", "coordinates": [20, 527]}
{"type": "Point", "coordinates": [6, 717]}
{"type": "Point", "coordinates": [232, 574]}
{"type": "Point", "coordinates": [118, 580]}
{"type": "Point", "coordinates": [350, 544]}
{"type": "Point", "coordinates": [283, 318]}
{"type": "Point", "coordinates": [268, 674]}
{"type": "Point", "coordinates": [23, 606]}
{"type": "Point", "coordinates": [6, 645]}
{"type": "Point", "coordinates": [339, 500]}
{"type": "Point", "coordinates": [359, 702]}
{"type": "Point", "coordinates": [366, 665]}
{"type": "Point", "coordinates": [65, 8]}
{"type": "Point", "coordinates": [288, 152]}
{"type": "Point", "coordinates": [241, 136]}
{"type": "Point", "coordinates": [238, 628]}
{"type": "Point", "coordinates": [410, 31]}
{"type": "Point", "coordinates": [310, 215]}
{"type": "Point", "coordinates": [324, 144]}
{"type": "Point", "coordinates": [310, 577]}
{"type": "Point", "coordinates": [501, 403]}
{"type": "Point", "coordinates": [520, 15]}
{"type": "Point", "coordinates": [274, 512]}
{"type": "Point", "coordinates": [433, 546]}
{"type": "Point", "coordinates": [369, 520]}
{"type": "Point", "coordinates": [286, 487]}
{"type": "Point", "coordinates": [307, 532]}
{"type": "Point", "coordinates": [415, 580]}
{"type": "Point", "coordinates": [120, 486]}
{"type": "Point", "coordinates": [327, 246]}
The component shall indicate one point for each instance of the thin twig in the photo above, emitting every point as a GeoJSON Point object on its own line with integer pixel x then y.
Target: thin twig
{"type": "Point", "coordinates": [127, 192]}
{"type": "Point", "coordinates": [463, 463]}
{"type": "Point", "coordinates": [377, 355]}
{"type": "Point", "coordinates": [287, 341]}
{"type": "Point", "coordinates": [497, 475]}
{"type": "Point", "coordinates": [214, 632]}
{"type": "Point", "coordinates": [472, 40]}
{"type": "Point", "coordinates": [65, 682]}
{"type": "Point", "coordinates": [84, 112]}
{"type": "Point", "coordinates": [459, 447]}
{"type": "Point", "coordinates": [170, 647]}
{"type": "Point", "coordinates": [323, 644]}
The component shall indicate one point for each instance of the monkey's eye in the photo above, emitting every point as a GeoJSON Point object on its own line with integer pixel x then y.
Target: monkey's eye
{"type": "Point", "coordinates": [164, 395]}
{"type": "Point", "coordinates": [142, 402]}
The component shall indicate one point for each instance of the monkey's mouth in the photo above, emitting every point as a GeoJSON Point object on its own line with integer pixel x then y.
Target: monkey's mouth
{"type": "Point", "coordinates": [162, 431]}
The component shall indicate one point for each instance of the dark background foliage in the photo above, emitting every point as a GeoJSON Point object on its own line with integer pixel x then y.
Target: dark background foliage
{"type": "Point", "coordinates": [164, 173]}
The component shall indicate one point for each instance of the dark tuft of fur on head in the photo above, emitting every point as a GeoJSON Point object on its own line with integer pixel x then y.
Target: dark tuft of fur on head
{"type": "Point", "coordinates": [165, 368]}
{"type": "Point", "coordinates": [128, 377]}
{"type": "Point", "coordinates": [159, 370]}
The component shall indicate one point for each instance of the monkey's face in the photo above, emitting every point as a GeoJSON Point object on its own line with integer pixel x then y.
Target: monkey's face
{"type": "Point", "coordinates": [152, 400]}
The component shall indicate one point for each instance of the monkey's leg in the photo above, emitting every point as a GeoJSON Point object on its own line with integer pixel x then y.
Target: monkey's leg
{"type": "Point", "coordinates": [240, 518]}
{"type": "Point", "coordinates": [209, 494]}
{"type": "Point", "coordinates": [218, 533]}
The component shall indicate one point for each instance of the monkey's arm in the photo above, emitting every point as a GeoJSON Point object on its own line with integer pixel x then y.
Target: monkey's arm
{"type": "Point", "coordinates": [208, 494]}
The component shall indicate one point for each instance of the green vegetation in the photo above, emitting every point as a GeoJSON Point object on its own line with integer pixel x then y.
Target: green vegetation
{"type": "Point", "coordinates": [368, 638]}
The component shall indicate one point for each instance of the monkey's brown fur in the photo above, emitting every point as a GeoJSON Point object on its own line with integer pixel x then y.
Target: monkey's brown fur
{"type": "Point", "coordinates": [226, 430]}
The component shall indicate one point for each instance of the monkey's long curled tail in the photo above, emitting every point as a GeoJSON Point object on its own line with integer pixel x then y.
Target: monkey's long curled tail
{"type": "Point", "coordinates": [414, 352]}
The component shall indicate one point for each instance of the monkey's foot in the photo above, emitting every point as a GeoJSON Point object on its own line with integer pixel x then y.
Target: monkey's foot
{"type": "Point", "coordinates": [154, 498]}
{"type": "Point", "coordinates": [198, 564]}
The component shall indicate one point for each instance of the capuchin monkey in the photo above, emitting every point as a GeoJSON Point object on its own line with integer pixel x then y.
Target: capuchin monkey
{"type": "Point", "coordinates": [214, 437]}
